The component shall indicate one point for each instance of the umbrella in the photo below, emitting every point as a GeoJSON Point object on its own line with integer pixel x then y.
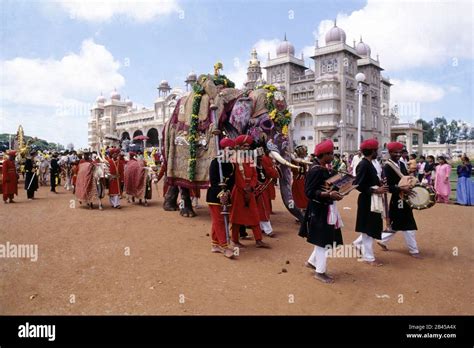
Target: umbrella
{"type": "Point", "coordinates": [141, 137]}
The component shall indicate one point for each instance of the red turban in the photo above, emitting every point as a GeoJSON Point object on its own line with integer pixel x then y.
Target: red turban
{"type": "Point", "coordinates": [394, 146]}
{"type": "Point", "coordinates": [131, 154]}
{"type": "Point", "coordinates": [113, 151]}
{"type": "Point", "coordinates": [11, 153]}
{"type": "Point", "coordinates": [324, 147]}
{"type": "Point", "coordinates": [243, 139]}
{"type": "Point", "coordinates": [369, 144]}
{"type": "Point", "coordinates": [226, 142]}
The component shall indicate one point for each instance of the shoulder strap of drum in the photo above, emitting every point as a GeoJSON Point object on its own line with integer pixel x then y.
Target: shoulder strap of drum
{"type": "Point", "coordinates": [395, 168]}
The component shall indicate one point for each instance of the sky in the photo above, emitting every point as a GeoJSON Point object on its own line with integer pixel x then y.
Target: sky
{"type": "Point", "coordinates": [56, 57]}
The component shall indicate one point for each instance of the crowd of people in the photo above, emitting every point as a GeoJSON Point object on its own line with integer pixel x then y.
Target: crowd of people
{"type": "Point", "coordinates": [240, 192]}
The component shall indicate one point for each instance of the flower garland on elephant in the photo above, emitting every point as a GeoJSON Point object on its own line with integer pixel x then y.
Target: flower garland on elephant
{"type": "Point", "coordinates": [277, 110]}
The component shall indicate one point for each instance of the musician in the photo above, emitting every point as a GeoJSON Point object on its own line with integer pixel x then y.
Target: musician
{"type": "Point", "coordinates": [369, 204]}
{"type": "Point", "coordinates": [299, 176]}
{"type": "Point", "coordinates": [217, 196]}
{"type": "Point", "coordinates": [400, 213]}
{"type": "Point", "coordinates": [322, 222]}
{"type": "Point", "coordinates": [114, 178]}
{"type": "Point", "coordinates": [31, 180]}
{"type": "Point", "coordinates": [266, 174]}
{"type": "Point", "coordinates": [9, 177]}
{"type": "Point", "coordinates": [244, 209]}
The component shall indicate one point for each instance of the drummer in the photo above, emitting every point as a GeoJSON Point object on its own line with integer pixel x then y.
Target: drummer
{"type": "Point", "coordinates": [400, 213]}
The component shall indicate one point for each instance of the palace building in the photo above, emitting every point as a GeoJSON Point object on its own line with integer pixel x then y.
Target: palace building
{"type": "Point", "coordinates": [324, 101]}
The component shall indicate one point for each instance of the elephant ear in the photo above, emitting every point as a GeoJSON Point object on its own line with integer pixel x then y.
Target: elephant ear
{"type": "Point", "coordinates": [209, 87]}
{"type": "Point", "coordinates": [241, 114]}
{"type": "Point", "coordinates": [259, 101]}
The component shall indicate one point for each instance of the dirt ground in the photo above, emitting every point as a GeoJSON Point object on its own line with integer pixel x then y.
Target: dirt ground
{"type": "Point", "coordinates": [84, 266]}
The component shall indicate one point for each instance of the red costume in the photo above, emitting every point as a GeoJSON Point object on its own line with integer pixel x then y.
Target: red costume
{"type": "Point", "coordinates": [114, 178]}
{"type": "Point", "coordinates": [121, 171]}
{"type": "Point", "coordinates": [85, 188]}
{"type": "Point", "coordinates": [297, 188]}
{"type": "Point", "coordinates": [264, 199]}
{"type": "Point", "coordinates": [10, 180]}
{"type": "Point", "coordinates": [135, 178]}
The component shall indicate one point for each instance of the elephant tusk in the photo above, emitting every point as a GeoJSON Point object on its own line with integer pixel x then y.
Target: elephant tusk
{"type": "Point", "coordinates": [277, 157]}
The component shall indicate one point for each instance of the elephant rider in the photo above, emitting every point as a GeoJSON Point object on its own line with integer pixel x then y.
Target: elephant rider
{"type": "Point", "coordinates": [244, 209]}
{"type": "Point", "coordinates": [217, 196]}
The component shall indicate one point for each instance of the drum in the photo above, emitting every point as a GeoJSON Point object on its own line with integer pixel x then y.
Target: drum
{"type": "Point", "coordinates": [423, 198]}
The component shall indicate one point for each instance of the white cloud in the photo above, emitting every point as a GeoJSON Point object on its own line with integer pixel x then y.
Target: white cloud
{"type": "Point", "coordinates": [410, 91]}
{"type": "Point", "coordinates": [409, 34]}
{"type": "Point", "coordinates": [264, 47]}
{"type": "Point", "coordinates": [52, 98]}
{"type": "Point", "coordinates": [238, 75]}
{"type": "Point", "coordinates": [105, 10]}
{"type": "Point", "coordinates": [49, 82]}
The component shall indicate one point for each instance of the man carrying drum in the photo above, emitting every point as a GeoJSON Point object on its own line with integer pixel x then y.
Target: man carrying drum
{"type": "Point", "coordinates": [401, 214]}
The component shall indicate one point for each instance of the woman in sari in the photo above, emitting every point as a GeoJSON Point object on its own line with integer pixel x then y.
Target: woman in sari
{"type": "Point", "coordinates": [465, 186]}
{"type": "Point", "coordinates": [442, 185]}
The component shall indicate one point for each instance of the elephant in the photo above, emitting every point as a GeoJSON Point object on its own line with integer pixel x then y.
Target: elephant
{"type": "Point", "coordinates": [215, 105]}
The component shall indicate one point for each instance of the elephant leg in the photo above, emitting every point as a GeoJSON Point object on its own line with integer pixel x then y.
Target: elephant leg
{"type": "Point", "coordinates": [186, 207]}
{"type": "Point", "coordinates": [171, 199]}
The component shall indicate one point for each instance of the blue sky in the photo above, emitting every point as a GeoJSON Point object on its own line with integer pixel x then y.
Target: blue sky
{"type": "Point", "coordinates": [56, 57]}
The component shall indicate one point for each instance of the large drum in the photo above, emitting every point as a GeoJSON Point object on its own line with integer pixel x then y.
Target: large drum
{"type": "Point", "coordinates": [423, 197]}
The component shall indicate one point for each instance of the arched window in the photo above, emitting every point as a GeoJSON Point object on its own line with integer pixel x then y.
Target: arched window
{"type": "Point", "coordinates": [303, 138]}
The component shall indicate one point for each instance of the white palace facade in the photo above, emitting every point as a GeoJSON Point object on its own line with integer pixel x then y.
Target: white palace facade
{"type": "Point", "coordinates": [116, 118]}
{"type": "Point", "coordinates": [324, 102]}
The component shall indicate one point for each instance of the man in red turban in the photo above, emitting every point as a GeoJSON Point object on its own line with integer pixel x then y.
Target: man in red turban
{"type": "Point", "coordinates": [395, 146]}
{"type": "Point", "coordinates": [218, 197]}
{"type": "Point", "coordinates": [244, 210]}
{"type": "Point", "coordinates": [10, 178]}
{"type": "Point", "coordinates": [326, 146]}
{"type": "Point", "coordinates": [322, 221]}
{"type": "Point", "coordinates": [369, 217]}
{"type": "Point", "coordinates": [114, 178]}
{"type": "Point", "coordinates": [400, 213]}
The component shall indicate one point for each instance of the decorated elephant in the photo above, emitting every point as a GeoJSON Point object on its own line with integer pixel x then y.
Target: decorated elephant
{"type": "Point", "coordinates": [189, 146]}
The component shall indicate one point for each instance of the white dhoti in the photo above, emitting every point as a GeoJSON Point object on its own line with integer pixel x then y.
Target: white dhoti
{"type": "Point", "coordinates": [266, 227]}
{"type": "Point", "coordinates": [367, 248]}
{"type": "Point", "coordinates": [409, 239]}
{"type": "Point", "coordinates": [114, 200]}
{"type": "Point", "coordinates": [318, 259]}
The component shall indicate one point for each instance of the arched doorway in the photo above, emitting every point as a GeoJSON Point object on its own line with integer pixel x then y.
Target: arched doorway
{"type": "Point", "coordinates": [138, 144]}
{"type": "Point", "coordinates": [153, 140]}
{"type": "Point", "coordinates": [125, 136]}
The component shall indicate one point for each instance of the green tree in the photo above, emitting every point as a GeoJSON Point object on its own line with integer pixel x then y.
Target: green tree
{"type": "Point", "coordinates": [440, 126]}
{"type": "Point", "coordinates": [428, 131]}
{"type": "Point", "coordinates": [453, 132]}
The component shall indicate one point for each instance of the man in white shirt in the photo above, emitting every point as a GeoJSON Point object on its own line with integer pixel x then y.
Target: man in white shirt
{"type": "Point", "coordinates": [355, 161]}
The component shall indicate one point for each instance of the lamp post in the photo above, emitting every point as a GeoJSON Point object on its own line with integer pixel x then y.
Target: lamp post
{"type": "Point", "coordinates": [341, 144]}
{"type": "Point", "coordinates": [360, 77]}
